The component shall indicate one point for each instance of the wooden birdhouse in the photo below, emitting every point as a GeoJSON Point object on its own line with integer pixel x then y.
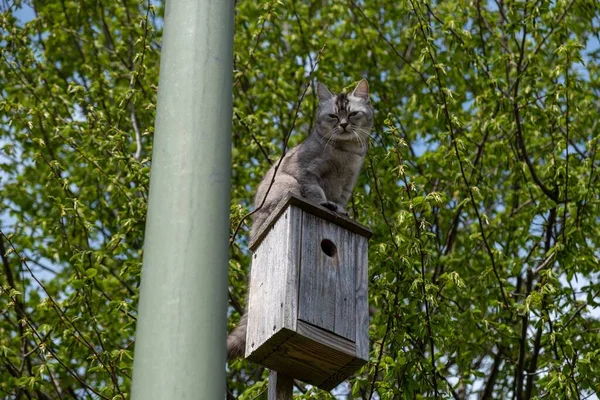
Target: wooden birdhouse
{"type": "Point", "coordinates": [308, 305]}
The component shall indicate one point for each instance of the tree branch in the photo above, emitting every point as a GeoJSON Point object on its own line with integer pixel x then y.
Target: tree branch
{"type": "Point", "coordinates": [460, 163]}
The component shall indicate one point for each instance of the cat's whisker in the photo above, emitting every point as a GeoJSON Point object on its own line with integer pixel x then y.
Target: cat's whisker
{"type": "Point", "coordinates": [365, 133]}
{"type": "Point", "coordinates": [362, 146]}
{"type": "Point", "coordinates": [365, 144]}
{"type": "Point", "coordinates": [357, 136]}
{"type": "Point", "coordinates": [362, 135]}
{"type": "Point", "coordinates": [330, 139]}
{"type": "Point", "coordinates": [361, 140]}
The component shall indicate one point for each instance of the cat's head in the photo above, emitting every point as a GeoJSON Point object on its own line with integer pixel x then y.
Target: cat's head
{"type": "Point", "coordinates": [346, 116]}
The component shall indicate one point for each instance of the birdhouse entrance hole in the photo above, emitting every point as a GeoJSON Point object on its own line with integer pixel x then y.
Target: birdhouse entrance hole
{"type": "Point", "coordinates": [328, 248]}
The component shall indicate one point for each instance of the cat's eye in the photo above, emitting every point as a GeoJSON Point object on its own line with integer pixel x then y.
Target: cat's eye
{"type": "Point", "coordinates": [333, 116]}
{"type": "Point", "coordinates": [353, 113]}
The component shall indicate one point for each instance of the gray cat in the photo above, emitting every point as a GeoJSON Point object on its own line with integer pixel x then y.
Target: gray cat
{"type": "Point", "coordinates": [322, 169]}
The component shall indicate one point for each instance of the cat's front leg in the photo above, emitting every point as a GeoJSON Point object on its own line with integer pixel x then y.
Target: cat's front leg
{"type": "Point", "coordinates": [315, 194]}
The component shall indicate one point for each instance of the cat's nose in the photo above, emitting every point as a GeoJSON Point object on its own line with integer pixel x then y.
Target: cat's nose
{"type": "Point", "coordinates": [343, 125]}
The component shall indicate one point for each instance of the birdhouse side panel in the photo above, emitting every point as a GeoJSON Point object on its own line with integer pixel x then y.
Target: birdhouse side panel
{"type": "Point", "coordinates": [345, 291]}
{"type": "Point", "coordinates": [362, 297]}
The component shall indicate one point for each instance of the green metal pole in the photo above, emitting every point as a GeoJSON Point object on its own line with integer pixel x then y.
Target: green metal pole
{"type": "Point", "coordinates": [181, 329]}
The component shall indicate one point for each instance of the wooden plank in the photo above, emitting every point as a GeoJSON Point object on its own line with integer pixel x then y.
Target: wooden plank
{"type": "Point", "coordinates": [327, 338]}
{"type": "Point", "coordinates": [280, 386]}
{"type": "Point", "coordinates": [261, 355]}
{"type": "Point", "coordinates": [292, 268]}
{"type": "Point", "coordinates": [327, 289]}
{"type": "Point", "coordinates": [362, 298]}
{"type": "Point", "coordinates": [312, 209]}
{"type": "Point", "coordinates": [318, 274]}
{"type": "Point", "coordinates": [256, 331]}
{"type": "Point", "coordinates": [273, 264]}
{"type": "Point", "coordinates": [342, 374]}
{"type": "Point", "coordinates": [328, 215]}
{"type": "Point", "coordinates": [345, 291]}
{"type": "Point", "coordinates": [318, 358]}
{"type": "Point", "coordinates": [307, 360]}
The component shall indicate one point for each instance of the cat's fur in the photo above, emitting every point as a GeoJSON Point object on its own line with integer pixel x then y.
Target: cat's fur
{"type": "Point", "coordinates": [322, 169]}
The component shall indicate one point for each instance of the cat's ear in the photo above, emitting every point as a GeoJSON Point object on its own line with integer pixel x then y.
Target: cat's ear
{"type": "Point", "coordinates": [362, 90]}
{"type": "Point", "coordinates": [323, 93]}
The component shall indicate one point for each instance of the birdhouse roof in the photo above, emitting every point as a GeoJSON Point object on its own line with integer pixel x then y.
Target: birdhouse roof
{"type": "Point", "coordinates": [314, 209]}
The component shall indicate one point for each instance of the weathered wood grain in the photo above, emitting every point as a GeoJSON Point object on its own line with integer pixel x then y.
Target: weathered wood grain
{"type": "Point", "coordinates": [327, 290]}
{"type": "Point", "coordinates": [327, 338]}
{"type": "Point", "coordinates": [318, 274]}
{"type": "Point", "coordinates": [362, 298]}
{"type": "Point", "coordinates": [342, 374]}
{"type": "Point", "coordinates": [311, 355]}
{"type": "Point", "coordinates": [307, 360]}
{"type": "Point", "coordinates": [345, 292]}
{"type": "Point", "coordinates": [274, 271]}
{"type": "Point", "coordinates": [280, 386]}
{"type": "Point", "coordinates": [312, 209]}
{"type": "Point", "coordinates": [292, 267]}
{"type": "Point", "coordinates": [270, 348]}
{"type": "Point", "coordinates": [308, 304]}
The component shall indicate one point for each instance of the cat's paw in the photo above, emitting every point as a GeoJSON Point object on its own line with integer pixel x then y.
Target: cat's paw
{"type": "Point", "coordinates": [330, 205]}
{"type": "Point", "coordinates": [336, 208]}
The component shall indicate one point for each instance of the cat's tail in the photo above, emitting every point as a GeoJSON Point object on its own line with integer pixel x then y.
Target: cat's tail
{"type": "Point", "coordinates": [236, 341]}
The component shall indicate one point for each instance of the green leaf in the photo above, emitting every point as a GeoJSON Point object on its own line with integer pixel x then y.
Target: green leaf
{"type": "Point", "coordinates": [91, 272]}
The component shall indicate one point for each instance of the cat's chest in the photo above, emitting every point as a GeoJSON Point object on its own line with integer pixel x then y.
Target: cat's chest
{"type": "Point", "coordinates": [338, 170]}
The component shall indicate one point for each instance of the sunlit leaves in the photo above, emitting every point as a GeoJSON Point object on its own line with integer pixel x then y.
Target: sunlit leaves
{"type": "Point", "coordinates": [446, 173]}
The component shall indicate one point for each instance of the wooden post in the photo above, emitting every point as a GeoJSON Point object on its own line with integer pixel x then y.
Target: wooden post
{"type": "Point", "coordinates": [280, 386]}
{"type": "Point", "coordinates": [308, 305]}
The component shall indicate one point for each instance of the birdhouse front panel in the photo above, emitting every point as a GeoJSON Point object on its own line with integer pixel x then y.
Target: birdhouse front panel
{"type": "Point", "coordinates": [327, 296]}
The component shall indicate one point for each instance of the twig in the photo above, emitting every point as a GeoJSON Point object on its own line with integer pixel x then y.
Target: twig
{"type": "Point", "coordinates": [256, 43]}
{"type": "Point", "coordinates": [404, 59]}
{"type": "Point", "coordinates": [541, 43]}
{"type": "Point", "coordinates": [55, 356]}
{"type": "Point", "coordinates": [383, 340]}
{"type": "Point", "coordinates": [552, 194]}
{"type": "Point", "coordinates": [383, 214]}
{"type": "Point", "coordinates": [262, 149]}
{"type": "Point", "coordinates": [81, 338]}
{"type": "Point", "coordinates": [578, 311]}
{"type": "Point", "coordinates": [460, 163]}
{"type": "Point", "coordinates": [138, 136]}
{"type": "Point", "coordinates": [493, 375]}
{"type": "Point", "coordinates": [545, 263]}
{"type": "Point", "coordinates": [455, 395]}
{"type": "Point", "coordinates": [423, 287]}
{"type": "Point", "coordinates": [518, 381]}
{"type": "Point", "coordinates": [564, 223]}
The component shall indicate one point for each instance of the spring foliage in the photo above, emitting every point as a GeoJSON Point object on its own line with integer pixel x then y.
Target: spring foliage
{"type": "Point", "coordinates": [481, 185]}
